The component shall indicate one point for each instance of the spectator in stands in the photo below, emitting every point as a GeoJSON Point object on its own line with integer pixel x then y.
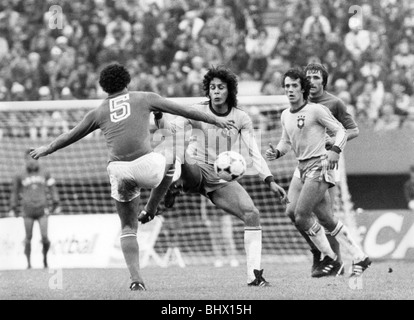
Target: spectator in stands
{"type": "Point", "coordinates": [119, 30]}
{"type": "Point", "coordinates": [403, 103]}
{"type": "Point", "coordinates": [238, 59]}
{"type": "Point", "coordinates": [259, 48]}
{"type": "Point", "coordinates": [387, 119]}
{"type": "Point", "coordinates": [4, 47]}
{"type": "Point", "coordinates": [357, 40]}
{"type": "Point", "coordinates": [317, 24]}
{"type": "Point", "coordinates": [172, 86]}
{"type": "Point", "coordinates": [207, 51]}
{"type": "Point", "coordinates": [219, 27]}
{"type": "Point", "coordinates": [18, 92]}
{"type": "Point", "coordinates": [81, 80]}
{"type": "Point", "coordinates": [409, 190]}
{"type": "Point", "coordinates": [271, 86]}
{"type": "Point", "coordinates": [195, 77]}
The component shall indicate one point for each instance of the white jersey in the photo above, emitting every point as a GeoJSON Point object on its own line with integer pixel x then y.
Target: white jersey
{"type": "Point", "coordinates": [304, 131]}
{"type": "Point", "coordinates": [208, 141]}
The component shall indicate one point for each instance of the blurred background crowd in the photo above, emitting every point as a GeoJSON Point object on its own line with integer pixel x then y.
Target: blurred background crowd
{"type": "Point", "coordinates": [168, 44]}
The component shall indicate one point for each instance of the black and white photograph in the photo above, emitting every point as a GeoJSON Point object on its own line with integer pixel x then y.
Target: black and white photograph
{"type": "Point", "coordinates": [207, 157]}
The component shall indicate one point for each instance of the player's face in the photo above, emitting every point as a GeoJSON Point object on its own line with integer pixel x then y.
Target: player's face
{"type": "Point", "coordinates": [316, 80]}
{"type": "Point", "coordinates": [31, 164]}
{"type": "Point", "coordinates": [293, 90]}
{"type": "Point", "coordinates": [218, 92]}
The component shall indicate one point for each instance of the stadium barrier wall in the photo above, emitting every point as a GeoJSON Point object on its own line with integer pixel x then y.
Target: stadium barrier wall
{"type": "Point", "coordinates": [387, 234]}
{"type": "Point", "coordinates": [380, 152]}
{"type": "Point", "coordinates": [87, 241]}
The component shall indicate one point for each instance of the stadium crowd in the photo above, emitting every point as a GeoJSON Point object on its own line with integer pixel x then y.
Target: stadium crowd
{"type": "Point", "coordinates": [168, 44]}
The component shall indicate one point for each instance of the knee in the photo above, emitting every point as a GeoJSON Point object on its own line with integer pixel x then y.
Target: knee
{"type": "Point", "coordinates": [251, 215]}
{"type": "Point", "coordinates": [129, 229]}
{"type": "Point", "coordinates": [290, 212]}
{"type": "Point", "coordinates": [301, 221]}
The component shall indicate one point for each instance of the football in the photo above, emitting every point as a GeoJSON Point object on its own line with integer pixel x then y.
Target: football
{"type": "Point", "coordinates": [230, 165]}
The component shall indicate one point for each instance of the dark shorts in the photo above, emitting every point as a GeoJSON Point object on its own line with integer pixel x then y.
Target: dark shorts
{"type": "Point", "coordinates": [34, 213]}
{"type": "Point", "coordinates": [201, 178]}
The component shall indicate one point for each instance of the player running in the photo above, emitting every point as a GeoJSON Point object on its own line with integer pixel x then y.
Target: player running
{"type": "Point", "coordinates": [304, 127]}
{"type": "Point", "coordinates": [123, 118]}
{"type": "Point", "coordinates": [197, 170]}
{"type": "Point", "coordinates": [317, 75]}
{"type": "Point", "coordinates": [36, 191]}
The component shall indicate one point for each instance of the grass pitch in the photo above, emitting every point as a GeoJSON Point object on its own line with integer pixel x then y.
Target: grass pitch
{"type": "Point", "coordinates": [386, 280]}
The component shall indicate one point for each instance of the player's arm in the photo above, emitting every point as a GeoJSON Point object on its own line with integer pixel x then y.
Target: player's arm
{"type": "Point", "coordinates": [326, 118]}
{"type": "Point", "coordinates": [158, 103]}
{"type": "Point", "coordinates": [54, 194]}
{"type": "Point", "coordinates": [14, 196]}
{"type": "Point", "coordinates": [283, 147]}
{"type": "Point", "coordinates": [259, 163]}
{"type": "Point", "coordinates": [343, 116]}
{"type": "Point", "coordinates": [82, 129]}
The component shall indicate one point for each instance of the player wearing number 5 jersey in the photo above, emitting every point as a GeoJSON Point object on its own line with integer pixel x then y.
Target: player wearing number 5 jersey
{"type": "Point", "coordinates": [124, 118]}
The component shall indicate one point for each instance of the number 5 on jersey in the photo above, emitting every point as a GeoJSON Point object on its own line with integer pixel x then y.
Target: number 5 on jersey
{"type": "Point", "coordinates": [120, 108]}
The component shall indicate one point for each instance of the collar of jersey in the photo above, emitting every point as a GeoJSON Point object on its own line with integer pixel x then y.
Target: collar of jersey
{"type": "Point", "coordinates": [118, 94]}
{"type": "Point", "coordinates": [296, 111]}
{"type": "Point", "coordinates": [219, 114]}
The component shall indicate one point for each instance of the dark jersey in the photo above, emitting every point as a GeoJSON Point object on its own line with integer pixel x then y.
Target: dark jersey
{"type": "Point", "coordinates": [35, 191]}
{"type": "Point", "coordinates": [409, 190]}
{"type": "Point", "coordinates": [337, 108]}
{"type": "Point", "coordinates": [124, 120]}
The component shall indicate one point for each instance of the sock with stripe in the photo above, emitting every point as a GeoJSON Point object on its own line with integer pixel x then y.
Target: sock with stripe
{"type": "Point", "coordinates": [317, 234]}
{"type": "Point", "coordinates": [130, 249]}
{"type": "Point", "coordinates": [253, 247]}
{"type": "Point", "coordinates": [342, 234]}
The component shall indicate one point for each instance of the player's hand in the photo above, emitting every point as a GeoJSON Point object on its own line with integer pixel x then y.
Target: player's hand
{"type": "Point", "coordinates": [333, 160]}
{"type": "Point", "coordinates": [11, 214]}
{"type": "Point", "coordinates": [280, 193]}
{"type": "Point", "coordinates": [225, 124]}
{"type": "Point", "coordinates": [411, 205]}
{"type": "Point", "coordinates": [145, 217]}
{"type": "Point", "coordinates": [57, 210]}
{"type": "Point", "coordinates": [329, 142]}
{"type": "Point", "coordinates": [271, 153]}
{"type": "Point", "coordinates": [39, 152]}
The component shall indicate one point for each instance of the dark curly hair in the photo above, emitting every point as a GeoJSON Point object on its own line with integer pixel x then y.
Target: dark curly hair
{"type": "Point", "coordinates": [314, 67]}
{"type": "Point", "coordinates": [296, 73]}
{"type": "Point", "coordinates": [226, 76]}
{"type": "Point", "coordinates": [114, 78]}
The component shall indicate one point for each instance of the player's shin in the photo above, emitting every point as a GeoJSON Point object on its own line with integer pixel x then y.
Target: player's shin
{"type": "Point", "coordinates": [317, 234]}
{"type": "Point", "coordinates": [45, 250]}
{"type": "Point", "coordinates": [342, 234]}
{"type": "Point", "coordinates": [334, 243]}
{"type": "Point", "coordinates": [27, 251]}
{"type": "Point", "coordinates": [253, 247]}
{"type": "Point", "coordinates": [158, 193]}
{"type": "Point", "coordinates": [130, 249]}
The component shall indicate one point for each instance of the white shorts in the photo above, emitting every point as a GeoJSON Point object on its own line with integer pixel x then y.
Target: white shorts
{"type": "Point", "coordinates": [128, 178]}
{"type": "Point", "coordinates": [336, 174]}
